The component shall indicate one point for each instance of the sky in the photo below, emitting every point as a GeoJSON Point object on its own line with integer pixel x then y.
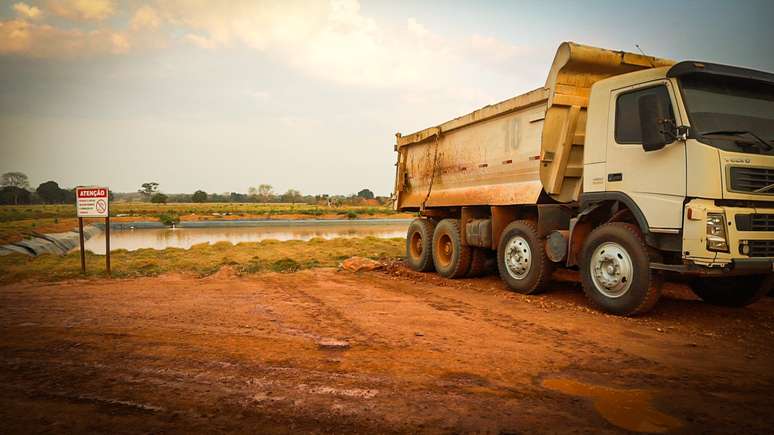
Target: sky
{"type": "Point", "coordinates": [224, 95]}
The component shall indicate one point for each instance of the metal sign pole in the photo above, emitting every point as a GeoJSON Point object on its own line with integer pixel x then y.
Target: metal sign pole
{"type": "Point", "coordinates": [107, 244]}
{"type": "Point", "coordinates": [83, 252]}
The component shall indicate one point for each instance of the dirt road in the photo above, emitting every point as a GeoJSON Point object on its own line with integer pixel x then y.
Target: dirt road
{"type": "Point", "coordinates": [394, 351]}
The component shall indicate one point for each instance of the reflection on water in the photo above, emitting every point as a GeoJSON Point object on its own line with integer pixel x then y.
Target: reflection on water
{"type": "Point", "coordinates": [161, 238]}
{"type": "Point", "coordinates": [632, 410]}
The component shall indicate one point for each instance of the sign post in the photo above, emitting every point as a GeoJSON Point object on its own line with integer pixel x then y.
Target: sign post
{"type": "Point", "coordinates": [93, 202]}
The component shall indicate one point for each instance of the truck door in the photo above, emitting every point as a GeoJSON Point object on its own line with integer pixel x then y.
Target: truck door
{"type": "Point", "coordinates": [655, 180]}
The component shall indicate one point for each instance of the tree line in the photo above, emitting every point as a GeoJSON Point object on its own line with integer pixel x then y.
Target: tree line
{"type": "Point", "coordinates": [15, 190]}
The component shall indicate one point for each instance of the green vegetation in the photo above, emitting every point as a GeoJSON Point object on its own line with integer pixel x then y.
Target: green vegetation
{"type": "Point", "coordinates": [202, 260]}
{"type": "Point", "coordinates": [210, 210]}
{"type": "Point", "coordinates": [159, 198]}
{"type": "Point", "coordinates": [199, 196]}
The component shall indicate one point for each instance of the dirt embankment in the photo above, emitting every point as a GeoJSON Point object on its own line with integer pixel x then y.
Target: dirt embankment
{"type": "Point", "coordinates": [384, 351]}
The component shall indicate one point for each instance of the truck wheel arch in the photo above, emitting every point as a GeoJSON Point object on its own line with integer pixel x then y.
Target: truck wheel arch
{"type": "Point", "coordinates": [597, 209]}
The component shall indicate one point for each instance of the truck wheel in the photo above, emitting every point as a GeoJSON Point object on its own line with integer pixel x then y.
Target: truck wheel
{"type": "Point", "coordinates": [615, 270]}
{"type": "Point", "coordinates": [521, 258]}
{"type": "Point", "coordinates": [450, 257]}
{"type": "Point", "coordinates": [477, 263]}
{"type": "Point", "coordinates": [419, 245]}
{"type": "Point", "coordinates": [737, 291]}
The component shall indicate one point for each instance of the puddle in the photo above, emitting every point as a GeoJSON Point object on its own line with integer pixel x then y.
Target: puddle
{"type": "Point", "coordinates": [628, 409]}
{"type": "Point", "coordinates": [162, 238]}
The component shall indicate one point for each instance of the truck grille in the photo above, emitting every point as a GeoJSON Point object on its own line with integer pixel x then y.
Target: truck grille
{"type": "Point", "coordinates": [744, 179]}
{"type": "Point", "coordinates": [755, 222]}
{"type": "Point", "coordinates": [761, 248]}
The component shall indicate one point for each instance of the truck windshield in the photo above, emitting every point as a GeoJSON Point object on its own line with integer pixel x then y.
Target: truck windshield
{"type": "Point", "coordinates": [730, 113]}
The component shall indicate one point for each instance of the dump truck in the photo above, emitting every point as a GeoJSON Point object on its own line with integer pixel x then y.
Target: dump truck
{"type": "Point", "coordinates": [629, 168]}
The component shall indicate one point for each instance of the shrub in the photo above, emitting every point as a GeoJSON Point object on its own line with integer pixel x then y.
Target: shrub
{"type": "Point", "coordinates": [168, 219]}
{"type": "Point", "coordinates": [159, 198]}
{"type": "Point", "coordinates": [199, 196]}
{"type": "Point", "coordinates": [286, 265]}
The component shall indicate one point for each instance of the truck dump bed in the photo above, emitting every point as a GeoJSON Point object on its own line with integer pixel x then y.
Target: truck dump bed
{"type": "Point", "coordinates": [507, 153]}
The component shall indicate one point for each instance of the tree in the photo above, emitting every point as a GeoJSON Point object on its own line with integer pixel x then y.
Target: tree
{"type": "Point", "coordinates": [15, 179]}
{"type": "Point", "coordinates": [366, 194]}
{"type": "Point", "coordinates": [199, 196]}
{"type": "Point", "coordinates": [158, 198]}
{"type": "Point", "coordinates": [51, 193]}
{"type": "Point", "coordinates": [12, 195]}
{"type": "Point", "coordinates": [292, 195]}
{"type": "Point", "coordinates": [265, 192]}
{"type": "Point", "coordinates": [148, 189]}
{"type": "Point", "coordinates": [237, 197]}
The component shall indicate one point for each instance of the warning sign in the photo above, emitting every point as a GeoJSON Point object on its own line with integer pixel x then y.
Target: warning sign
{"type": "Point", "coordinates": [91, 201]}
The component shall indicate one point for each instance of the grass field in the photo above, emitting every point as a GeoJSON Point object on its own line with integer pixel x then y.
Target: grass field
{"type": "Point", "coordinates": [202, 260]}
{"type": "Point", "coordinates": [17, 221]}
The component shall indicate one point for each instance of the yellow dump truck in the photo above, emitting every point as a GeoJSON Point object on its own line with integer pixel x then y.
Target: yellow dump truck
{"type": "Point", "coordinates": [628, 167]}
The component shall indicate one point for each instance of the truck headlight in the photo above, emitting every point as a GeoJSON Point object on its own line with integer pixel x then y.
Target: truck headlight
{"type": "Point", "coordinates": [716, 232]}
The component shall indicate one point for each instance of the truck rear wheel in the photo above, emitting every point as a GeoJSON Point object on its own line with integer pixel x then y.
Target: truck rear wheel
{"type": "Point", "coordinates": [419, 245]}
{"type": "Point", "coordinates": [521, 258]}
{"type": "Point", "coordinates": [615, 270]}
{"type": "Point", "coordinates": [736, 291]}
{"type": "Point", "coordinates": [450, 257]}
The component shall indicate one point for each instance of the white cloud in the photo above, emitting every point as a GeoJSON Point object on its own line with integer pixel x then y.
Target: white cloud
{"type": "Point", "coordinates": [145, 17]}
{"type": "Point", "coordinates": [200, 41]}
{"type": "Point", "coordinates": [330, 40]}
{"type": "Point", "coordinates": [26, 11]}
{"type": "Point", "coordinates": [260, 95]}
{"type": "Point", "coordinates": [334, 41]}
{"type": "Point", "coordinates": [83, 10]}
{"type": "Point", "coordinates": [42, 40]}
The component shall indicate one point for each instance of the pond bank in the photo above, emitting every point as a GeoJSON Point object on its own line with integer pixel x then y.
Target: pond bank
{"type": "Point", "coordinates": [54, 243]}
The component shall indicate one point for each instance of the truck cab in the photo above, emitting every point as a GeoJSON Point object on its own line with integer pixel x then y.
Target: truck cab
{"type": "Point", "coordinates": [706, 180]}
{"type": "Point", "coordinates": [689, 150]}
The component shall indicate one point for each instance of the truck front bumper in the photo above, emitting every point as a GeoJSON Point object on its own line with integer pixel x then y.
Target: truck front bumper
{"type": "Point", "coordinates": [750, 249]}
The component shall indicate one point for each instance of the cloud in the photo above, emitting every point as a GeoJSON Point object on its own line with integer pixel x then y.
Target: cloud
{"type": "Point", "coordinates": [83, 10]}
{"type": "Point", "coordinates": [258, 25]}
{"type": "Point", "coordinates": [334, 41]}
{"type": "Point", "coordinates": [145, 18]}
{"type": "Point", "coordinates": [26, 11]}
{"type": "Point", "coordinates": [329, 40]}
{"type": "Point", "coordinates": [200, 41]}
{"type": "Point", "coordinates": [42, 40]}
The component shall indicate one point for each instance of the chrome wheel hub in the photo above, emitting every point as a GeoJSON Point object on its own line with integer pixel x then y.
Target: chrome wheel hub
{"type": "Point", "coordinates": [611, 269]}
{"type": "Point", "coordinates": [518, 257]}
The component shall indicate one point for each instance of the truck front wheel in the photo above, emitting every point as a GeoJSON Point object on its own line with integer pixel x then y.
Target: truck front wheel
{"type": "Point", "coordinates": [737, 291]}
{"type": "Point", "coordinates": [615, 270]}
{"type": "Point", "coordinates": [450, 257]}
{"type": "Point", "coordinates": [419, 245]}
{"type": "Point", "coordinates": [521, 258]}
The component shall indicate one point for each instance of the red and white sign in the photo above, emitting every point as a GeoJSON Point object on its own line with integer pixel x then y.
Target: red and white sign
{"type": "Point", "coordinates": [91, 201]}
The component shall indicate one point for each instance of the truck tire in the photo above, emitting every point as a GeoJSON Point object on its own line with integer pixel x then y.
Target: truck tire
{"type": "Point", "coordinates": [450, 258]}
{"type": "Point", "coordinates": [615, 270]}
{"type": "Point", "coordinates": [736, 291]}
{"type": "Point", "coordinates": [477, 263]}
{"type": "Point", "coordinates": [522, 260]}
{"type": "Point", "coordinates": [419, 245]}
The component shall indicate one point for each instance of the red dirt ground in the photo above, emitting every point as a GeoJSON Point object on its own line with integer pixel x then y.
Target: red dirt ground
{"type": "Point", "coordinates": [404, 352]}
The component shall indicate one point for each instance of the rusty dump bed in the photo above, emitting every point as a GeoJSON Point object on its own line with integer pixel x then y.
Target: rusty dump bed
{"type": "Point", "coordinates": [507, 153]}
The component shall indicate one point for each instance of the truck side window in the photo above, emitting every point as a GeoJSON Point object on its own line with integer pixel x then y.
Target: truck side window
{"type": "Point", "coordinates": [627, 113]}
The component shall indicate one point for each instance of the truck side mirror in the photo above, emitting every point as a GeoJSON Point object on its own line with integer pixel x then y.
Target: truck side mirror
{"type": "Point", "coordinates": [655, 123]}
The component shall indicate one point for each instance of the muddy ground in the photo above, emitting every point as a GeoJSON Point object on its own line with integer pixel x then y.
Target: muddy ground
{"type": "Point", "coordinates": [384, 351]}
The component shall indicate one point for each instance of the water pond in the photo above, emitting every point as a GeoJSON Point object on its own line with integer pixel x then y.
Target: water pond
{"type": "Point", "coordinates": [184, 237]}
